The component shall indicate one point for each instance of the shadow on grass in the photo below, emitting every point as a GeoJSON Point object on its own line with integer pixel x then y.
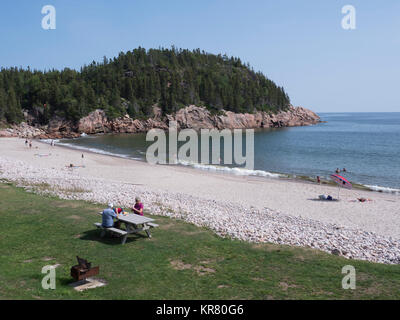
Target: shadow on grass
{"type": "Point", "coordinates": [64, 281]}
{"type": "Point", "coordinates": [94, 235]}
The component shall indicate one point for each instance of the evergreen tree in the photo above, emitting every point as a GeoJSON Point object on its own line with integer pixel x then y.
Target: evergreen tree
{"type": "Point", "coordinates": [2, 103]}
{"type": "Point", "coordinates": [13, 113]}
{"type": "Point", "coordinates": [171, 78]}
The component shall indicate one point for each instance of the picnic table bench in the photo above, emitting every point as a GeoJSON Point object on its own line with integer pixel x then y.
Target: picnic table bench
{"type": "Point", "coordinates": [112, 230]}
{"type": "Point", "coordinates": [133, 224]}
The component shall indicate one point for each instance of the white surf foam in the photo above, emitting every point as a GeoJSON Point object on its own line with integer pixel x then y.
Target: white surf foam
{"type": "Point", "coordinates": [236, 171]}
{"type": "Point", "coordinates": [99, 151]}
{"type": "Point", "coordinates": [214, 168]}
{"type": "Point", "coordinates": [48, 141]}
{"type": "Point", "coordinates": [384, 189]}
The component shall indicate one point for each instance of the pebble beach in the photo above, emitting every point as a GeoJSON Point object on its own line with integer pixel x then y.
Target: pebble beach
{"type": "Point", "coordinates": [251, 209]}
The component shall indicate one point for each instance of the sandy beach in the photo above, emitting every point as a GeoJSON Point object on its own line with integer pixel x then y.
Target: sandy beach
{"type": "Point", "coordinates": [174, 187]}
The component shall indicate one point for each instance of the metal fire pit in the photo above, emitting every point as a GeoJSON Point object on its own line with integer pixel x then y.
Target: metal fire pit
{"type": "Point", "coordinates": [83, 270]}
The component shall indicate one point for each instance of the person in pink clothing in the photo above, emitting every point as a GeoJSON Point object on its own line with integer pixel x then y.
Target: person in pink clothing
{"type": "Point", "coordinates": [138, 207]}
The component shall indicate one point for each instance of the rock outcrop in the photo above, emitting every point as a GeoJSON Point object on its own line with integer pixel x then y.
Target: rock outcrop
{"type": "Point", "coordinates": [22, 130]}
{"type": "Point", "coordinates": [193, 117]}
{"type": "Point", "coordinates": [199, 117]}
{"type": "Point", "coordinates": [60, 128]}
{"type": "Point", "coordinates": [95, 122]}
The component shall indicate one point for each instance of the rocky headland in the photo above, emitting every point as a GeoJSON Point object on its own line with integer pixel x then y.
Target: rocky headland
{"type": "Point", "coordinates": [193, 117]}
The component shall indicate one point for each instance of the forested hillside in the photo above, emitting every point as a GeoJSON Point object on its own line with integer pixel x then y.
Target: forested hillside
{"type": "Point", "coordinates": [134, 81]}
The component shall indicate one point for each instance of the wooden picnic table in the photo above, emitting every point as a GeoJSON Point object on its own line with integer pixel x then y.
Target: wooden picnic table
{"type": "Point", "coordinates": [134, 223]}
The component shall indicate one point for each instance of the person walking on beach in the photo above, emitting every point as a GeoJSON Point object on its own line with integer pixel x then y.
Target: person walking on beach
{"type": "Point", "coordinates": [30, 144]}
{"type": "Point", "coordinates": [138, 207]}
{"type": "Point", "coordinates": [26, 143]}
{"type": "Point", "coordinates": [318, 179]}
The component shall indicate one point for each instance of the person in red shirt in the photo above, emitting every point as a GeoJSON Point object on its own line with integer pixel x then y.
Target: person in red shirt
{"type": "Point", "coordinates": [118, 210]}
{"type": "Point", "coordinates": [117, 224]}
{"type": "Point", "coordinates": [138, 207]}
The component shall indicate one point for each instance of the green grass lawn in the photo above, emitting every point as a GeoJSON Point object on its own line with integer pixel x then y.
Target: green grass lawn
{"type": "Point", "coordinates": [181, 261]}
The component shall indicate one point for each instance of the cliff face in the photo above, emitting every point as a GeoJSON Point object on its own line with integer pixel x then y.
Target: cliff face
{"type": "Point", "coordinates": [198, 117]}
{"type": "Point", "coordinates": [190, 117]}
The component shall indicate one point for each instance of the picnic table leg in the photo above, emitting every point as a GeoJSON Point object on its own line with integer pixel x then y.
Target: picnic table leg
{"type": "Point", "coordinates": [128, 227]}
{"type": "Point", "coordinates": [124, 239]}
{"type": "Point", "coordinates": [147, 231]}
{"type": "Point", "coordinates": [103, 233]}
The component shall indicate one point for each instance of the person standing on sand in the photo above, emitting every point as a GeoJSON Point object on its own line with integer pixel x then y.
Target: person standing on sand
{"type": "Point", "coordinates": [138, 207]}
{"type": "Point", "coordinates": [26, 142]}
{"type": "Point", "coordinates": [30, 144]}
{"type": "Point", "coordinates": [318, 179]}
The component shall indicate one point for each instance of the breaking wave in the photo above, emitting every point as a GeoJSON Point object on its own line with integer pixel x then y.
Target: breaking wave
{"type": "Point", "coordinates": [383, 189]}
{"type": "Point", "coordinates": [235, 170]}
{"type": "Point", "coordinates": [238, 171]}
{"type": "Point", "coordinates": [94, 150]}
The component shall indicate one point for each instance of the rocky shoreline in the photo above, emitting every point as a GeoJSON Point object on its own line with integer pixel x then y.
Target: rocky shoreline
{"type": "Point", "coordinates": [189, 117]}
{"type": "Point", "coordinates": [226, 219]}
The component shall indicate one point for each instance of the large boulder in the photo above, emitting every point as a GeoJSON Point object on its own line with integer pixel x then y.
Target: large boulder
{"type": "Point", "coordinates": [193, 117]}
{"type": "Point", "coordinates": [231, 120]}
{"type": "Point", "coordinates": [295, 116]}
{"type": "Point", "coordinates": [7, 133]}
{"type": "Point", "coordinates": [60, 128]}
{"type": "Point", "coordinates": [94, 122]}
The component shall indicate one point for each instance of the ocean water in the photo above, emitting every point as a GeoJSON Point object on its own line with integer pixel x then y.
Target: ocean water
{"type": "Point", "coordinates": [366, 144]}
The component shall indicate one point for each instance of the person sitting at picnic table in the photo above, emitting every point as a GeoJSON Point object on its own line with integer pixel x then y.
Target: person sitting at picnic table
{"type": "Point", "coordinates": [118, 211]}
{"type": "Point", "coordinates": [108, 216]}
{"type": "Point", "coordinates": [138, 207]}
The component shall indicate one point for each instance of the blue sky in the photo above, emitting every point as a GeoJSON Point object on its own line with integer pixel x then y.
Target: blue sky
{"type": "Point", "coordinates": [299, 44]}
